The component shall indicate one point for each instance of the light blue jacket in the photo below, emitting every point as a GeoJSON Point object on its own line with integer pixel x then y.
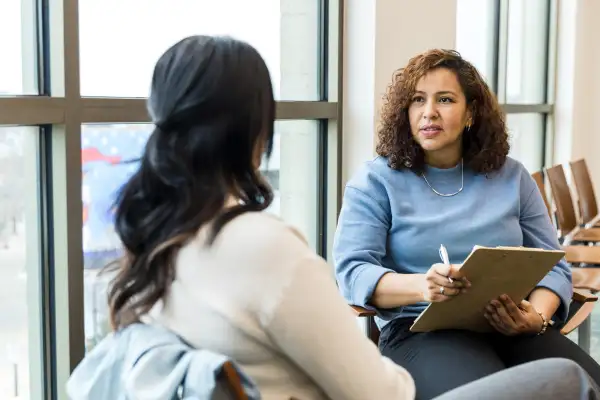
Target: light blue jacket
{"type": "Point", "coordinates": [150, 362]}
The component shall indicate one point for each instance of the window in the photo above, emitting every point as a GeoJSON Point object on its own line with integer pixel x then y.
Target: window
{"type": "Point", "coordinates": [19, 76]}
{"type": "Point", "coordinates": [118, 62]}
{"type": "Point", "coordinates": [20, 295]}
{"type": "Point", "coordinates": [527, 49]}
{"type": "Point", "coordinates": [475, 35]}
{"type": "Point", "coordinates": [79, 71]}
{"type": "Point", "coordinates": [510, 42]}
{"type": "Point", "coordinates": [526, 132]}
{"type": "Point", "coordinates": [293, 171]}
{"type": "Point", "coordinates": [110, 154]}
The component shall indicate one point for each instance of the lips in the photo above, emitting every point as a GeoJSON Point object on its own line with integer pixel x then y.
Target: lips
{"type": "Point", "coordinates": [430, 130]}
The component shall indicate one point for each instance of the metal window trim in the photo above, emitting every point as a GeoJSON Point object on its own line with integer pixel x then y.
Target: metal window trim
{"type": "Point", "coordinates": [497, 45]}
{"type": "Point", "coordinates": [527, 108]}
{"type": "Point", "coordinates": [335, 126]}
{"type": "Point", "coordinates": [551, 76]}
{"type": "Point", "coordinates": [42, 110]}
{"type": "Point", "coordinates": [31, 110]}
{"type": "Point", "coordinates": [502, 47]}
{"type": "Point", "coordinates": [66, 263]}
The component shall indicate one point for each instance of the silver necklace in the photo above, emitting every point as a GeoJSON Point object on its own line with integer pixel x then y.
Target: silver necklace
{"type": "Point", "coordinates": [462, 183]}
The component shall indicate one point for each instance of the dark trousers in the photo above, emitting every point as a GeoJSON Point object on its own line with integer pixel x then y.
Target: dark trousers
{"type": "Point", "coordinates": [443, 360]}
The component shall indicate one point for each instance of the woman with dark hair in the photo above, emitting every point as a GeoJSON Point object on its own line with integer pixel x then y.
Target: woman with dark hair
{"type": "Point", "coordinates": [203, 261]}
{"type": "Point", "coordinates": [443, 177]}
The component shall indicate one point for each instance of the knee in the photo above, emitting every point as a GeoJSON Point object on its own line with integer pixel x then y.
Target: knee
{"type": "Point", "coordinates": [560, 367]}
{"type": "Point", "coordinates": [563, 364]}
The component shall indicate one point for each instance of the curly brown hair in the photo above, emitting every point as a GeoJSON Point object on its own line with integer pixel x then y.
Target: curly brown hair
{"type": "Point", "coordinates": [485, 144]}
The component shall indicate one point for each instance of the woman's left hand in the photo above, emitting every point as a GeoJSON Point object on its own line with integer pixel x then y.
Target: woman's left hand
{"type": "Point", "coordinates": [511, 320]}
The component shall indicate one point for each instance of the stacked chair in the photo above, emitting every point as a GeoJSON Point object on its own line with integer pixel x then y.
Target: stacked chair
{"type": "Point", "coordinates": [578, 238]}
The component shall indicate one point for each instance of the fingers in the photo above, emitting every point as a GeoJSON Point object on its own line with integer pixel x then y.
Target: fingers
{"type": "Point", "coordinates": [504, 315]}
{"type": "Point", "coordinates": [497, 325]}
{"type": "Point", "coordinates": [510, 307]}
{"type": "Point", "coordinates": [437, 295]}
{"type": "Point", "coordinates": [501, 319]}
{"type": "Point", "coordinates": [446, 277]}
{"type": "Point", "coordinates": [438, 277]}
{"type": "Point", "coordinates": [440, 273]}
{"type": "Point", "coordinates": [436, 283]}
{"type": "Point", "coordinates": [496, 321]}
{"type": "Point", "coordinates": [434, 292]}
{"type": "Point", "coordinates": [450, 271]}
{"type": "Point", "coordinates": [439, 280]}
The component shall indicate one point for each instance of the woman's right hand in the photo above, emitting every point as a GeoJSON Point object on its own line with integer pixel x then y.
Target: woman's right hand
{"type": "Point", "coordinates": [437, 286]}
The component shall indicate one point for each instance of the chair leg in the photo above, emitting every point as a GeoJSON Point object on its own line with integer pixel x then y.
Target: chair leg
{"type": "Point", "coordinates": [584, 334]}
{"type": "Point", "coordinates": [369, 329]}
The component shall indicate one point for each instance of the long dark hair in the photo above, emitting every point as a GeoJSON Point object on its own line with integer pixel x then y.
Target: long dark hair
{"type": "Point", "coordinates": [212, 104]}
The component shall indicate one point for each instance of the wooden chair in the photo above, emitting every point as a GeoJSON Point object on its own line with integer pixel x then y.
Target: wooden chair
{"type": "Point", "coordinates": [588, 207]}
{"type": "Point", "coordinates": [575, 254]}
{"type": "Point", "coordinates": [538, 177]}
{"type": "Point", "coordinates": [581, 306]}
{"type": "Point", "coordinates": [570, 231]}
{"type": "Point", "coordinates": [234, 381]}
{"type": "Point", "coordinates": [579, 256]}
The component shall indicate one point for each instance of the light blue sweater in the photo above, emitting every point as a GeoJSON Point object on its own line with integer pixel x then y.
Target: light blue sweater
{"type": "Point", "coordinates": [391, 221]}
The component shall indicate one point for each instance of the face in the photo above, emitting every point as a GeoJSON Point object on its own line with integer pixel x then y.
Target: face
{"type": "Point", "coordinates": [438, 114]}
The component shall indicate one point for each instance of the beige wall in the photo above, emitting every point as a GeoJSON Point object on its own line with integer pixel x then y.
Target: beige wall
{"type": "Point", "coordinates": [381, 35]}
{"type": "Point", "coordinates": [577, 133]}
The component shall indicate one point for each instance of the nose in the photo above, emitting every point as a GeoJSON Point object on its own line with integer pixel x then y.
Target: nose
{"type": "Point", "coordinates": [430, 110]}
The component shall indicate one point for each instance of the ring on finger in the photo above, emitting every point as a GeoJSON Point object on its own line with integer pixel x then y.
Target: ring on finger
{"type": "Point", "coordinates": [442, 288]}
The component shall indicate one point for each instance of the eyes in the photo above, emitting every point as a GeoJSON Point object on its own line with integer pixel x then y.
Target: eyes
{"type": "Point", "coordinates": [441, 99]}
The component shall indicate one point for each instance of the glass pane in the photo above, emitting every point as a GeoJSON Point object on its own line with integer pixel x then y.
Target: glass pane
{"type": "Point", "coordinates": [527, 139]}
{"type": "Point", "coordinates": [18, 45]}
{"type": "Point", "coordinates": [293, 173]}
{"type": "Point", "coordinates": [20, 290]}
{"type": "Point", "coordinates": [107, 155]}
{"type": "Point", "coordinates": [475, 35]}
{"type": "Point", "coordinates": [118, 62]}
{"type": "Point", "coordinates": [527, 53]}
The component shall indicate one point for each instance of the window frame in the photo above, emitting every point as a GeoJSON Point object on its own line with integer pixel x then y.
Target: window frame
{"type": "Point", "coordinates": [59, 110]}
{"type": "Point", "coordinates": [499, 80]}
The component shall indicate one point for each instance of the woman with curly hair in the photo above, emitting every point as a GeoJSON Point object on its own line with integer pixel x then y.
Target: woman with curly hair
{"type": "Point", "coordinates": [443, 176]}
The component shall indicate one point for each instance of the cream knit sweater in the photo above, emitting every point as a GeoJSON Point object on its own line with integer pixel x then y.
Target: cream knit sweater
{"type": "Point", "coordinates": [261, 296]}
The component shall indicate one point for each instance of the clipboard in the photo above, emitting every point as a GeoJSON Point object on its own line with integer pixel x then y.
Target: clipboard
{"type": "Point", "coordinates": [492, 271]}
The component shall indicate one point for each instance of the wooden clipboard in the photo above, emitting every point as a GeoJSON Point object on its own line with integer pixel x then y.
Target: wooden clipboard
{"type": "Point", "coordinates": [514, 271]}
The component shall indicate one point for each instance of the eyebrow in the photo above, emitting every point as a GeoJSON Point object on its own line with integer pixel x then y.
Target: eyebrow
{"type": "Point", "coordinates": [438, 93]}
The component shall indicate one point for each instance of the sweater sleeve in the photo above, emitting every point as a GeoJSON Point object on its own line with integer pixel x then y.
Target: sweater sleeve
{"type": "Point", "coordinates": [538, 232]}
{"type": "Point", "coordinates": [314, 327]}
{"type": "Point", "coordinates": [360, 245]}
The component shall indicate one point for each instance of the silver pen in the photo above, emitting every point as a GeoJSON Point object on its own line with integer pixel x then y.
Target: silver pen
{"type": "Point", "coordinates": [445, 258]}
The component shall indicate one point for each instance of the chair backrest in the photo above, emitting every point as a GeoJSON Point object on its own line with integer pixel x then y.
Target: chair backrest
{"type": "Point", "coordinates": [585, 190]}
{"type": "Point", "coordinates": [538, 177]}
{"type": "Point", "coordinates": [234, 381]}
{"type": "Point", "coordinates": [567, 220]}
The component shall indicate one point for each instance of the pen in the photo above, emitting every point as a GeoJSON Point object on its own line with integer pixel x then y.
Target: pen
{"type": "Point", "coordinates": [445, 258]}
